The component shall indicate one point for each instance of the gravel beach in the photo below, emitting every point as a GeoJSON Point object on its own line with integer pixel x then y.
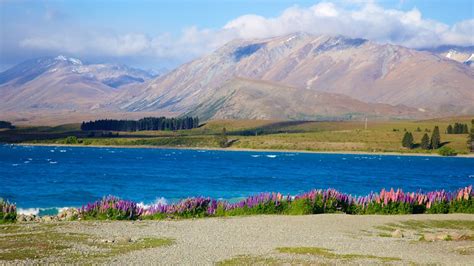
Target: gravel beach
{"type": "Point", "coordinates": [335, 238]}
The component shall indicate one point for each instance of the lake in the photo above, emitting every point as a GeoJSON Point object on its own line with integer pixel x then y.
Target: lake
{"type": "Point", "coordinates": [47, 178]}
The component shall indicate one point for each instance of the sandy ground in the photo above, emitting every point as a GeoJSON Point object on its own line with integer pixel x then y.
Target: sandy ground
{"type": "Point", "coordinates": [471, 155]}
{"type": "Point", "coordinates": [210, 240]}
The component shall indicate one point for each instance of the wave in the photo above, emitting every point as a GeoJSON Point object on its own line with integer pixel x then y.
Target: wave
{"type": "Point", "coordinates": [42, 211]}
{"type": "Point", "coordinates": [161, 201]}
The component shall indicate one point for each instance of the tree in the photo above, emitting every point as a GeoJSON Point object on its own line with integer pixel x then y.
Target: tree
{"type": "Point", "coordinates": [449, 130]}
{"type": "Point", "coordinates": [6, 124]}
{"type": "Point", "coordinates": [425, 142]}
{"type": "Point", "coordinates": [222, 139]}
{"type": "Point", "coordinates": [407, 140]}
{"type": "Point", "coordinates": [435, 138]}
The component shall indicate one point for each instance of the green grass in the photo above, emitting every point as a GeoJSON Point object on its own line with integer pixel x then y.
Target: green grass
{"type": "Point", "coordinates": [251, 260]}
{"type": "Point", "coordinates": [328, 254]}
{"type": "Point", "coordinates": [264, 134]}
{"type": "Point", "coordinates": [427, 225]}
{"type": "Point", "coordinates": [421, 228]}
{"type": "Point", "coordinates": [431, 224]}
{"type": "Point", "coordinates": [41, 241]}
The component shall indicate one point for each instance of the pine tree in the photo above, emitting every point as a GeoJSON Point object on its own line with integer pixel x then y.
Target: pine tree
{"type": "Point", "coordinates": [435, 138]}
{"type": "Point", "coordinates": [425, 142]}
{"type": "Point", "coordinates": [222, 139]}
{"type": "Point", "coordinates": [407, 140]}
{"type": "Point", "coordinates": [465, 129]}
{"type": "Point", "coordinates": [449, 130]}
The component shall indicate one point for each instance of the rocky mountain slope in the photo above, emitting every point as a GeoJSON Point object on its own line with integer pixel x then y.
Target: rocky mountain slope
{"type": "Point", "coordinates": [357, 68]}
{"type": "Point", "coordinates": [297, 76]}
{"type": "Point", "coordinates": [253, 99]}
{"type": "Point", "coordinates": [61, 83]}
{"type": "Point", "coordinates": [460, 54]}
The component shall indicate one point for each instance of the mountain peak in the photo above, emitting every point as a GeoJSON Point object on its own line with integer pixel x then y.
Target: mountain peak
{"type": "Point", "coordinates": [72, 60]}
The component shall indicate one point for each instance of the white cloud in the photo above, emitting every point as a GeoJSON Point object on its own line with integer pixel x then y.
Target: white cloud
{"type": "Point", "coordinates": [362, 19]}
{"type": "Point", "coordinates": [368, 21]}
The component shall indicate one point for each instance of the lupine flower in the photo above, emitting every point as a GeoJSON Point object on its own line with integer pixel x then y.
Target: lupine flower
{"type": "Point", "coordinates": [200, 206]}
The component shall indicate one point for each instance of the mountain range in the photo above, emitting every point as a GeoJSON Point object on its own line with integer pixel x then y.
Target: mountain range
{"type": "Point", "coordinates": [64, 83]}
{"type": "Point", "coordinates": [296, 76]}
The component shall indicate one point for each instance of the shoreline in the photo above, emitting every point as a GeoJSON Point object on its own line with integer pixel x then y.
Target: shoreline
{"type": "Point", "coordinates": [249, 240]}
{"type": "Point", "coordinates": [243, 150]}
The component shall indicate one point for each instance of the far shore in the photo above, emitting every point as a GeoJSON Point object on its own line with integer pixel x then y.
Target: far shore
{"type": "Point", "coordinates": [471, 155]}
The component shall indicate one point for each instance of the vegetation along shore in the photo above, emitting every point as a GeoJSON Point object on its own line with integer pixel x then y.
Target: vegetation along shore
{"type": "Point", "coordinates": [312, 202]}
{"type": "Point", "coordinates": [236, 236]}
{"type": "Point", "coordinates": [436, 136]}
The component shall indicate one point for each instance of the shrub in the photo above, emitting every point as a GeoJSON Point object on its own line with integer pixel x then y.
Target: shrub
{"type": "Point", "coordinates": [71, 140]}
{"type": "Point", "coordinates": [313, 202]}
{"type": "Point", "coordinates": [447, 151]}
{"type": "Point", "coordinates": [111, 208]}
{"type": "Point", "coordinates": [7, 212]}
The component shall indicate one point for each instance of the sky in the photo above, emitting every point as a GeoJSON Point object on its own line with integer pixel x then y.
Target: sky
{"type": "Point", "coordinates": [163, 34]}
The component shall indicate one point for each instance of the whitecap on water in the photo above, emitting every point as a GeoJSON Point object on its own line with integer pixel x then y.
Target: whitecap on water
{"type": "Point", "coordinates": [26, 162]}
{"type": "Point", "coordinates": [28, 211]}
{"type": "Point", "coordinates": [255, 155]}
{"type": "Point", "coordinates": [15, 164]}
{"type": "Point", "coordinates": [53, 162]}
{"type": "Point", "coordinates": [271, 156]}
{"type": "Point", "coordinates": [62, 150]}
{"type": "Point", "coordinates": [42, 211]}
{"type": "Point", "coordinates": [160, 200]}
{"type": "Point", "coordinates": [52, 150]}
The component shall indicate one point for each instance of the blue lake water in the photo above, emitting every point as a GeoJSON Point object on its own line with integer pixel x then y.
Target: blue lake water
{"type": "Point", "coordinates": [47, 177]}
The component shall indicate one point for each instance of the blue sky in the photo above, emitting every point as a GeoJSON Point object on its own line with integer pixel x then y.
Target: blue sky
{"type": "Point", "coordinates": [154, 34]}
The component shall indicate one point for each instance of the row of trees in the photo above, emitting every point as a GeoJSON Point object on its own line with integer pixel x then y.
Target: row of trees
{"type": "Point", "coordinates": [5, 124]}
{"type": "Point", "coordinates": [147, 123]}
{"type": "Point", "coordinates": [458, 128]}
{"type": "Point", "coordinates": [426, 143]}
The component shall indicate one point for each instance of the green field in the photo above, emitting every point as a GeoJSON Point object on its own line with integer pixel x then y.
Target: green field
{"type": "Point", "coordinates": [380, 136]}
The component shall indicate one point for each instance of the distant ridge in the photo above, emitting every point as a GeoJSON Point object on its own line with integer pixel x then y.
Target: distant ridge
{"type": "Point", "coordinates": [64, 83]}
{"type": "Point", "coordinates": [360, 69]}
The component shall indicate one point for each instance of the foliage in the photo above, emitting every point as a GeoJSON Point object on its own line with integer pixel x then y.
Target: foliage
{"type": "Point", "coordinates": [458, 128]}
{"type": "Point", "coordinates": [425, 142]}
{"type": "Point", "coordinates": [111, 208]}
{"type": "Point", "coordinates": [407, 140]}
{"type": "Point", "coordinates": [435, 138]}
{"type": "Point", "coordinates": [7, 212]}
{"type": "Point", "coordinates": [313, 202]}
{"type": "Point", "coordinates": [447, 151]}
{"type": "Point", "coordinates": [6, 124]}
{"type": "Point", "coordinates": [222, 140]}
{"type": "Point", "coordinates": [71, 140]}
{"type": "Point", "coordinates": [147, 123]}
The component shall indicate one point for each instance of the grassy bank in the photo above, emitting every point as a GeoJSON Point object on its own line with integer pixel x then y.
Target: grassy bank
{"type": "Point", "coordinates": [344, 136]}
